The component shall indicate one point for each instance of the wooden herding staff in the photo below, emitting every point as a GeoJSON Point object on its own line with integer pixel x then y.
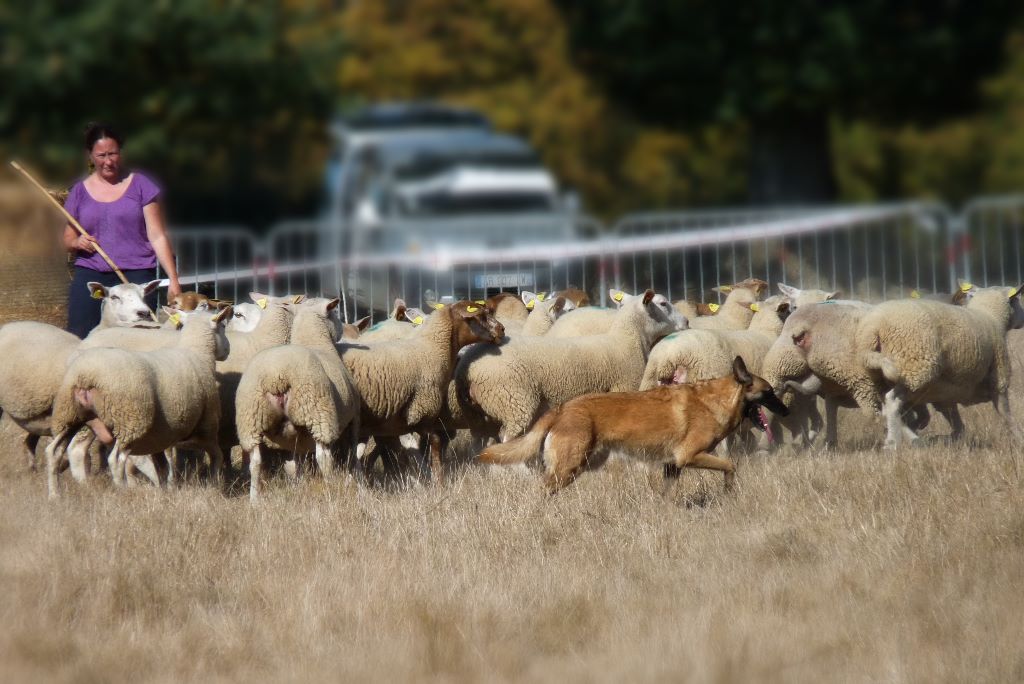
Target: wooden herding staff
{"type": "Point", "coordinates": [71, 219]}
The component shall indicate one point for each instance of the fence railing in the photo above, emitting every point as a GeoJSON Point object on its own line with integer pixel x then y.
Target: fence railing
{"type": "Point", "coordinates": [869, 252]}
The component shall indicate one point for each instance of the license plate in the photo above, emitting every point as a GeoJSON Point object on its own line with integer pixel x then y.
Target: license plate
{"type": "Point", "coordinates": [487, 280]}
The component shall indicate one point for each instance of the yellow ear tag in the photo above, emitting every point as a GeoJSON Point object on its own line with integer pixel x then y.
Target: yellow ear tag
{"type": "Point", "coordinates": [713, 308]}
{"type": "Point", "coordinates": [438, 306]}
{"type": "Point", "coordinates": [914, 294]}
{"type": "Point", "coordinates": [530, 304]}
{"type": "Point", "coordinates": [472, 309]}
{"type": "Point", "coordinates": [1013, 293]}
{"type": "Point", "coordinates": [418, 320]}
{"type": "Point", "coordinates": [97, 294]}
{"type": "Point", "coordinates": [754, 307]}
{"type": "Point", "coordinates": [619, 296]}
{"type": "Point", "coordinates": [725, 288]}
{"type": "Point", "coordinates": [966, 287]}
{"type": "Point", "coordinates": [541, 296]}
{"type": "Point", "coordinates": [175, 319]}
{"type": "Point", "coordinates": [262, 302]}
{"type": "Point", "coordinates": [481, 302]}
{"type": "Point", "coordinates": [296, 299]}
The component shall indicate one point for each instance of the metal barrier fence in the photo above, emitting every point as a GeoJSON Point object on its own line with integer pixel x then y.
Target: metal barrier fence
{"type": "Point", "coordinates": [988, 241]}
{"type": "Point", "coordinates": [873, 253]}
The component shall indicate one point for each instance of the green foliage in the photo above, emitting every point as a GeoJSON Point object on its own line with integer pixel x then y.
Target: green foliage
{"type": "Point", "coordinates": [224, 101]}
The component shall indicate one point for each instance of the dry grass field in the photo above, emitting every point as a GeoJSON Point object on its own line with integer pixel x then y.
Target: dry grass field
{"type": "Point", "coordinates": [850, 566]}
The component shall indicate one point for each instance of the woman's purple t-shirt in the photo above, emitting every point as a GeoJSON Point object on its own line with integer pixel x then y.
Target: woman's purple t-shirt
{"type": "Point", "coordinates": [118, 226]}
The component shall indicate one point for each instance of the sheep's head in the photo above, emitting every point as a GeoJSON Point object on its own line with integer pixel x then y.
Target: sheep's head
{"type": "Point", "coordinates": [352, 331]}
{"type": "Point", "coordinates": [784, 361]}
{"type": "Point", "coordinates": [473, 322]}
{"type": "Point", "coordinates": [245, 318]}
{"type": "Point", "coordinates": [1002, 302]}
{"type": "Point", "coordinates": [124, 304]}
{"type": "Point", "coordinates": [575, 296]}
{"type": "Point", "coordinates": [200, 323]}
{"type": "Point", "coordinates": [800, 297]}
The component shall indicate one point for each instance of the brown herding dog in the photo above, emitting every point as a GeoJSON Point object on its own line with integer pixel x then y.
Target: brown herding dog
{"type": "Point", "coordinates": [677, 425]}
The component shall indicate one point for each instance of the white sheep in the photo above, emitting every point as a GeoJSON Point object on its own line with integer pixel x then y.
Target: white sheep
{"type": "Point", "coordinates": [246, 317]}
{"type": "Point", "coordinates": [921, 351]}
{"type": "Point", "coordinates": [33, 357]}
{"type": "Point", "coordinates": [518, 381]}
{"type": "Point", "coordinates": [595, 320]}
{"type": "Point", "coordinates": [815, 355]}
{"type": "Point", "coordinates": [400, 324]}
{"type": "Point", "coordinates": [403, 383]}
{"type": "Point", "coordinates": [735, 312]}
{"type": "Point", "coordinates": [144, 402]}
{"type": "Point", "coordinates": [803, 297]}
{"type": "Point", "coordinates": [694, 355]}
{"type": "Point", "coordinates": [124, 304]}
{"type": "Point", "coordinates": [298, 397]}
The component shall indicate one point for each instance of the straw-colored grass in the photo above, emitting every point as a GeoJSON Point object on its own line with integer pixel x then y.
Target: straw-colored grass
{"type": "Point", "coordinates": [851, 566]}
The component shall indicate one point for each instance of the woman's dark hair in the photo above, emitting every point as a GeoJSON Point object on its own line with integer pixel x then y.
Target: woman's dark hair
{"type": "Point", "coordinates": [98, 131]}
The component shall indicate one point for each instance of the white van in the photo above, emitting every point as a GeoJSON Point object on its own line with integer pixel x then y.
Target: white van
{"type": "Point", "coordinates": [419, 179]}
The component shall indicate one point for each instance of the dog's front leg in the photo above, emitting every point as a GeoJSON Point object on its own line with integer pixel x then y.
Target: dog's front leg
{"type": "Point", "coordinates": [702, 459]}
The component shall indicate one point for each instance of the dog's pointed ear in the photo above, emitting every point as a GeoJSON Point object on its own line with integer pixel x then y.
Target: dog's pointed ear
{"type": "Point", "coordinates": [740, 372]}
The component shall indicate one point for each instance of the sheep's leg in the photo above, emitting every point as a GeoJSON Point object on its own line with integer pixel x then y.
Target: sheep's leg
{"type": "Point", "coordinates": [173, 466]}
{"type": "Point", "coordinates": [54, 456]}
{"type": "Point", "coordinates": [437, 448]}
{"type": "Point", "coordinates": [892, 409]}
{"type": "Point", "coordinates": [116, 460]}
{"type": "Point", "coordinates": [831, 424]}
{"type": "Point", "coordinates": [144, 464]}
{"type": "Point", "coordinates": [951, 412]}
{"type": "Point", "coordinates": [255, 473]}
{"type": "Point", "coordinates": [30, 442]}
{"type": "Point", "coordinates": [325, 461]}
{"type": "Point", "coordinates": [218, 467]}
{"type": "Point", "coordinates": [78, 454]}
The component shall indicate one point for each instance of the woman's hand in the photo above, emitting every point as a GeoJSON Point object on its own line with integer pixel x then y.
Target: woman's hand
{"type": "Point", "coordinates": [173, 288]}
{"type": "Point", "coordinates": [85, 243]}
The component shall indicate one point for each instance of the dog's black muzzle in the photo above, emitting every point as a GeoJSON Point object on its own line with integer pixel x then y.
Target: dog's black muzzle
{"type": "Point", "coordinates": [770, 402]}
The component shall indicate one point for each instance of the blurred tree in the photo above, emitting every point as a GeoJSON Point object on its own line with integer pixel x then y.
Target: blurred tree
{"type": "Point", "coordinates": [511, 60]}
{"type": "Point", "coordinates": [788, 69]}
{"type": "Point", "coordinates": [224, 102]}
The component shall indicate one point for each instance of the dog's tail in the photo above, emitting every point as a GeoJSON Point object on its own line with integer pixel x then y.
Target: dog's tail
{"type": "Point", "coordinates": [521, 448]}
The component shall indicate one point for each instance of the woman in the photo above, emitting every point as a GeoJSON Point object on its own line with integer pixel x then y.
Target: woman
{"type": "Point", "coordinates": [121, 212]}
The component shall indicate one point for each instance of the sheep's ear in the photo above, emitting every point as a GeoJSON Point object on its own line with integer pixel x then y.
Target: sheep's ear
{"type": "Point", "coordinates": [618, 296]}
{"type": "Point", "coordinates": [97, 290]}
{"type": "Point", "coordinates": [333, 304]}
{"type": "Point", "coordinates": [401, 313]}
{"type": "Point", "coordinates": [415, 316]}
{"type": "Point", "coordinates": [224, 314]}
{"type": "Point", "coordinates": [363, 323]}
{"type": "Point", "coordinates": [529, 298]}
{"type": "Point", "coordinates": [648, 296]}
{"type": "Point", "coordinates": [150, 287]}
{"type": "Point", "coordinates": [915, 294]}
{"type": "Point", "coordinates": [964, 285]}
{"type": "Point", "coordinates": [789, 290]}
{"type": "Point", "coordinates": [559, 305]}
{"type": "Point", "coordinates": [724, 289]}
{"type": "Point", "coordinates": [740, 372]}
{"type": "Point", "coordinates": [1015, 293]}
{"type": "Point", "coordinates": [833, 296]}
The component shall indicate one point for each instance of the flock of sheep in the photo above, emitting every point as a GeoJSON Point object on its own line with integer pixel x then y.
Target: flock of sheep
{"type": "Point", "coordinates": [283, 377]}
